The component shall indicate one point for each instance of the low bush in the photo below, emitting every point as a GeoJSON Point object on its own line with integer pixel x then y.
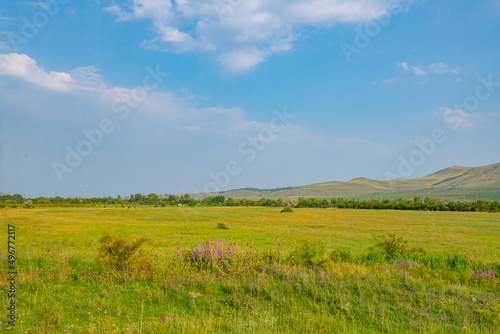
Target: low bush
{"type": "Point", "coordinates": [122, 255]}
{"type": "Point", "coordinates": [309, 253]}
{"type": "Point", "coordinates": [222, 226]}
{"type": "Point", "coordinates": [338, 255]}
{"type": "Point", "coordinates": [391, 247]}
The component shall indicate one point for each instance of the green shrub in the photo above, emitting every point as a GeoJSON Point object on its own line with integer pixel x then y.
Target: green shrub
{"type": "Point", "coordinates": [394, 246]}
{"type": "Point", "coordinates": [390, 247]}
{"type": "Point", "coordinates": [338, 255]}
{"type": "Point", "coordinates": [222, 226]}
{"type": "Point", "coordinates": [123, 255]}
{"type": "Point", "coordinates": [289, 204]}
{"type": "Point", "coordinates": [309, 253]}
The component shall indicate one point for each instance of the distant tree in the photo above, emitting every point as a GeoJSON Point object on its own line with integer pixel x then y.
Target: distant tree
{"type": "Point", "coordinates": [17, 197]}
{"type": "Point", "coordinates": [153, 198]}
{"type": "Point", "coordinates": [231, 202]}
{"type": "Point", "coordinates": [28, 204]}
{"type": "Point", "coordinates": [289, 204]}
{"type": "Point", "coordinates": [138, 198]}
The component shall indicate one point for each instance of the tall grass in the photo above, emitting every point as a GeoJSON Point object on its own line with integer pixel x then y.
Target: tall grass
{"type": "Point", "coordinates": [222, 286]}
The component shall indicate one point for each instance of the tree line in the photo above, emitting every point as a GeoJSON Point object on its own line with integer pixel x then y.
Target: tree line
{"type": "Point", "coordinates": [417, 203]}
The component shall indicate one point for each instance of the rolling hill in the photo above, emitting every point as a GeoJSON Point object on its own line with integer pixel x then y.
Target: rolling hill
{"type": "Point", "coordinates": [453, 183]}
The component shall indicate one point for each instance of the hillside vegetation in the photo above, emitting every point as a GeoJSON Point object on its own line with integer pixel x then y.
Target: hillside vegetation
{"type": "Point", "coordinates": [454, 183]}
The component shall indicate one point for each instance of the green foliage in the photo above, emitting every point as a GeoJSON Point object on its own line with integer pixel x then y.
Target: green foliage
{"type": "Point", "coordinates": [153, 199]}
{"type": "Point", "coordinates": [28, 204]}
{"type": "Point", "coordinates": [309, 253]}
{"type": "Point", "coordinates": [122, 255]}
{"type": "Point", "coordinates": [416, 203]}
{"type": "Point", "coordinates": [285, 210]}
{"type": "Point", "coordinates": [393, 246]}
{"type": "Point", "coordinates": [338, 255]}
{"type": "Point", "coordinates": [222, 226]}
{"type": "Point", "coordinates": [289, 203]}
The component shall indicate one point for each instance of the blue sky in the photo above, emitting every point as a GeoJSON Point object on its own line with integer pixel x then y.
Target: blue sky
{"type": "Point", "coordinates": [258, 93]}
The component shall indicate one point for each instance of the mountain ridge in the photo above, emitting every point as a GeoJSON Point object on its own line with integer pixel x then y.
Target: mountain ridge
{"type": "Point", "coordinates": [452, 183]}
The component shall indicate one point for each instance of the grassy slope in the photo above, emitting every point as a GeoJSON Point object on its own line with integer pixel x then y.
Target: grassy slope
{"type": "Point", "coordinates": [450, 183]}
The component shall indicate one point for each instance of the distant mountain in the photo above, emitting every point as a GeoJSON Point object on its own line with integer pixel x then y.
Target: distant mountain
{"type": "Point", "coordinates": [454, 183]}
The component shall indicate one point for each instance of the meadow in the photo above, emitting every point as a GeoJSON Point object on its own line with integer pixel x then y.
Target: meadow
{"type": "Point", "coordinates": [312, 270]}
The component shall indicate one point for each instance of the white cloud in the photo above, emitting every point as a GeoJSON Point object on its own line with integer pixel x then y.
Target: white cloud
{"type": "Point", "coordinates": [436, 68]}
{"type": "Point", "coordinates": [243, 33]}
{"type": "Point", "coordinates": [187, 94]}
{"type": "Point", "coordinates": [389, 80]}
{"type": "Point", "coordinates": [22, 66]}
{"type": "Point", "coordinates": [441, 68]}
{"type": "Point", "coordinates": [417, 70]}
{"type": "Point", "coordinates": [458, 118]}
{"type": "Point", "coordinates": [404, 66]}
{"type": "Point", "coordinates": [386, 81]}
{"type": "Point", "coordinates": [3, 18]}
{"type": "Point", "coordinates": [242, 60]}
{"type": "Point", "coordinates": [87, 79]}
{"type": "Point", "coordinates": [165, 111]}
{"type": "Point", "coordinates": [162, 106]}
{"type": "Point", "coordinates": [26, 68]}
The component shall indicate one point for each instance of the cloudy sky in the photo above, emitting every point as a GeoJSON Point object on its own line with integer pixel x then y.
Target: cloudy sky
{"type": "Point", "coordinates": [163, 96]}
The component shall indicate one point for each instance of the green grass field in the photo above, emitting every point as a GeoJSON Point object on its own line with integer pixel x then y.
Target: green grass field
{"type": "Point", "coordinates": [313, 270]}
